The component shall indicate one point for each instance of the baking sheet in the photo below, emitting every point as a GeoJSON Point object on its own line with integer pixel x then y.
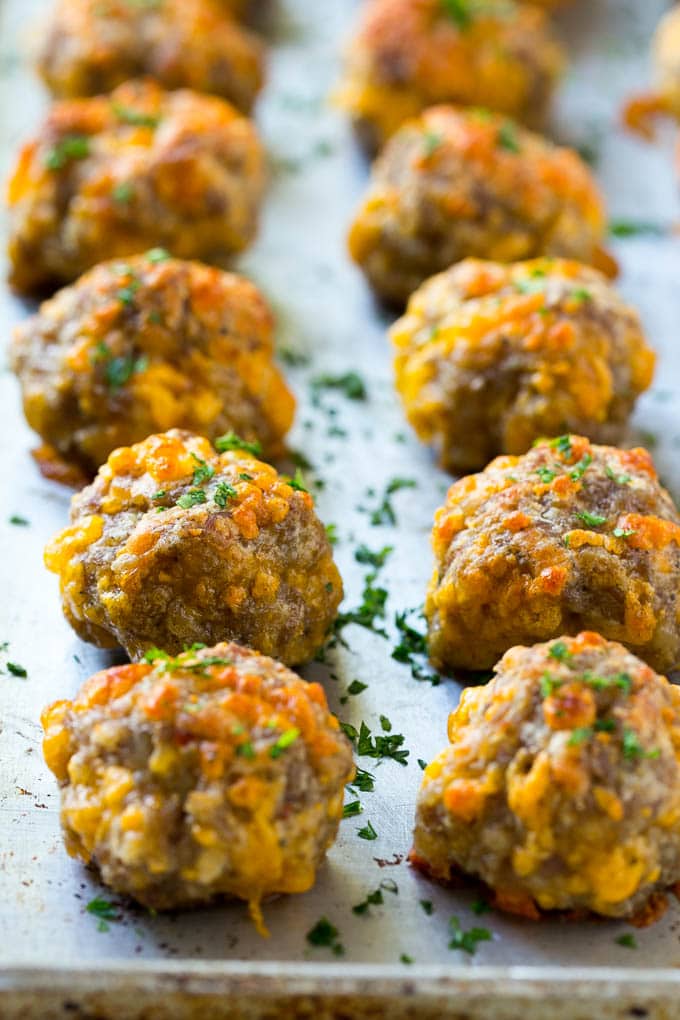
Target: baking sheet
{"type": "Point", "coordinates": [326, 316]}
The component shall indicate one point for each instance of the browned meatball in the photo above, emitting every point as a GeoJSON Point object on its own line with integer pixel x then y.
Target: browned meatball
{"type": "Point", "coordinates": [490, 357]}
{"type": "Point", "coordinates": [174, 544]}
{"type": "Point", "coordinates": [570, 536]}
{"type": "Point", "coordinates": [91, 46]}
{"type": "Point", "coordinates": [456, 183]}
{"type": "Point", "coordinates": [410, 54]}
{"type": "Point", "coordinates": [115, 175]}
{"type": "Point", "coordinates": [218, 773]}
{"type": "Point", "coordinates": [145, 345]}
{"type": "Point", "coordinates": [561, 785]}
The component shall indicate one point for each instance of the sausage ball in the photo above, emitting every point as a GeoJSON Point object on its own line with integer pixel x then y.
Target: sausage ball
{"type": "Point", "coordinates": [411, 54]}
{"type": "Point", "coordinates": [174, 544]}
{"type": "Point", "coordinates": [457, 183]}
{"type": "Point", "coordinates": [490, 357]}
{"type": "Point", "coordinates": [115, 175]}
{"type": "Point", "coordinates": [90, 46]}
{"type": "Point", "coordinates": [642, 110]}
{"type": "Point", "coordinates": [140, 346]}
{"type": "Point", "coordinates": [216, 773]}
{"type": "Point", "coordinates": [561, 785]}
{"type": "Point", "coordinates": [570, 536]}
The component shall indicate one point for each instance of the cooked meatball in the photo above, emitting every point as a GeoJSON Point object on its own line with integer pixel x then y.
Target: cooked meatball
{"type": "Point", "coordinates": [490, 357]}
{"type": "Point", "coordinates": [456, 183]}
{"type": "Point", "coordinates": [561, 785]}
{"type": "Point", "coordinates": [410, 54]}
{"type": "Point", "coordinates": [642, 110]}
{"type": "Point", "coordinates": [216, 773]}
{"type": "Point", "coordinates": [174, 544]}
{"type": "Point", "coordinates": [114, 175]}
{"type": "Point", "coordinates": [568, 537]}
{"type": "Point", "coordinates": [145, 345]}
{"type": "Point", "coordinates": [90, 46]}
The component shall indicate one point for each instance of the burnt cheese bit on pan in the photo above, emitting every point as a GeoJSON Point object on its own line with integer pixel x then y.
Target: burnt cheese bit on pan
{"type": "Point", "coordinates": [115, 175]}
{"type": "Point", "coordinates": [145, 344]}
{"type": "Point", "coordinates": [454, 183]}
{"type": "Point", "coordinates": [570, 536]}
{"type": "Point", "coordinates": [490, 357]}
{"type": "Point", "coordinates": [560, 787]}
{"type": "Point", "coordinates": [218, 773]}
{"type": "Point", "coordinates": [641, 111]}
{"type": "Point", "coordinates": [174, 544]}
{"type": "Point", "coordinates": [91, 46]}
{"type": "Point", "coordinates": [410, 54]}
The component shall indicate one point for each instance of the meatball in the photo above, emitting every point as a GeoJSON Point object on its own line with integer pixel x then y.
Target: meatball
{"type": "Point", "coordinates": [642, 110]}
{"type": "Point", "coordinates": [490, 357]}
{"type": "Point", "coordinates": [216, 773]}
{"type": "Point", "coordinates": [173, 544]}
{"type": "Point", "coordinates": [456, 183]}
{"type": "Point", "coordinates": [561, 785]}
{"type": "Point", "coordinates": [90, 46]}
{"type": "Point", "coordinates": [140, 346]}
{"type": "Point", "coordinates": [112, 176]}
{"type": "Point", "coordinates": [568, 537]}
{"type": "Point", "coordinates": [410, 54]}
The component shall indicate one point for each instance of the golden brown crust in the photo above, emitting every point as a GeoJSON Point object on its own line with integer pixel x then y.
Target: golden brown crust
{"type": "Point", "coordinates": [569, 536]}
{"type": "Point", "coordinates": [146, 344]}
{"type": "Point", "coordinates": [410, 54]}
{"type": "Point", "coordinates": [561, 785]}
{"type": "Point", "coordinates": [174, 543]}
{"type": "Point", "coordinates": [456, 183]}
{"type": "Point", "coordinates": [218, 773]}
{"type": "Point", "coordinates": [114, 175]}
{"type": "Point", "coordinates": [490, 357]}
{"type": "Point", "coordinates": [91, 46]}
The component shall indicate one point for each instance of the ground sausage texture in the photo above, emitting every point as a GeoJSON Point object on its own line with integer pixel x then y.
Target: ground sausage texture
{"type": "Point", "coordinates": [216, 773]}
{"type": "Point", "coordinates": [174, 544]}
{"type": "Point", "coordinates": [560, 788]}
{"type": "Point", "coordinates": [570, 536]}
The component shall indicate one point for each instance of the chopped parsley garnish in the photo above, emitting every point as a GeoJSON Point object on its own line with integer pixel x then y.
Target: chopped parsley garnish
{"type": "Point", "coordinates": [284, 741]}
{"type": "Point", "coordinates": [549, 684]}
{"type": "Point", "coordinates": [203, 471]}
{"type": "Point", "coordinates": [223, 493]}
{"type": "Point", "coordinates": [367, 832]}
{"type": "Point", "coordinates": [352, 809]}
{"type": "Point", "coordinates": [192, 498]}
{"type": "Point", "coordinates": [230, 441]}
{"type": "Point", "coordinates": [326, 936]}
{"type": "Point", "coordinates": [16, 670]}
{"type": "Point", "coordinates": [297, 482]}
{"type": "Point", "coordinates": [103, 909]}
{"type": "Point", "coordinates": [546, 475]}
{"type": "Point", "coordinates": [622, 533]}
{"type": "Point", "coordinates": [558, 650]}
{"type": "Point", "coordinates": [350, 384]}
{"type": "Point", "coordinates": [467, 941]}
{"type": "Point", "coordinates": [623, 681]}
{"type": "Point", "coordinates": [379, 745]}
{"type": "Point", "coordinates": [422, 763]}
{"type": "Point", "coordinates": [619, 479]}
{"type": "Point", "coordinates": [580, 735]}
{"type": "Point", "coordinates": [592, 520]}
{"type": "Point", "coordinates": [332, 533]}
{"type": "Point", "coordinates": [123, 192]}
{"type": "Point", "coordinates": [577, 473]}
{"type": "Point", "coordinates": [119, 370]}
{"type": "Point", "coordinates": [431, 142]}
{"type": "Point", "coordinates": [137, 118]}
{"type": "Point", "coordinates": [363, 781]}
{"type": "Point", "coordinates": [356, 687]}
{"type": "Point", "coordinates": [156, 255]}
{"type": "Point", "coordinates": [69, 148]}
{"type": "Point", "coordinates": [405, 958]}
{"type": "Point", "coordinates": [245, 750]}
{"type": "Point", "coordinates": [371, 609]}
{"type": "Point", "coordinates": [126, 294]}
{"type": "Point", "coordinates": [412, 647]}
{"type": "Point", "coordinates": [507, 137]}
{"type": "Point", "coordinates": [427, 906]}
{"type": "Point", "coordinates": [636, 228]}
{"type": "Point", "coordinates": [20, 521]}
{"type": "Point", "coordinates": [633, 749]}
{"type": "Point", "coordinates": [375, 559]}
{"type": "Point", "coordinates": [627, 940]}
{"type": "Point", "coordinates": [581, 294]}
{"type": "Point", "coordinates": [384, 513]}
{"type": "Point", "coordinates": [480, 907]}
{"type": "Point", "coordinates": [563, 445]}
{"type": "Point", "coordinates": [376, 898]}
{"type": "Point", "coordinates": [385, 724]}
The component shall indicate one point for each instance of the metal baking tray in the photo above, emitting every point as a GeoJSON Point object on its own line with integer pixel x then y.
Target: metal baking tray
{"type": "Point", "coordinates": [54, 959]}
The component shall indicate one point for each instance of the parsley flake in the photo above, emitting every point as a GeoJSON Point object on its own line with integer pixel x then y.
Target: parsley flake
{"type": "Point", "coordinates": [230, 441]}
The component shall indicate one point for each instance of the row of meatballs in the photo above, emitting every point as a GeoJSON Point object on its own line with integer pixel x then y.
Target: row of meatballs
{"type": "Point", "coordinates": [202, 771]}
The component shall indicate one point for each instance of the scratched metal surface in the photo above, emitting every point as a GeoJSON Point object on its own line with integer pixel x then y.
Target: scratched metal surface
{"type": "Point", "coordinates": [326, 314]}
